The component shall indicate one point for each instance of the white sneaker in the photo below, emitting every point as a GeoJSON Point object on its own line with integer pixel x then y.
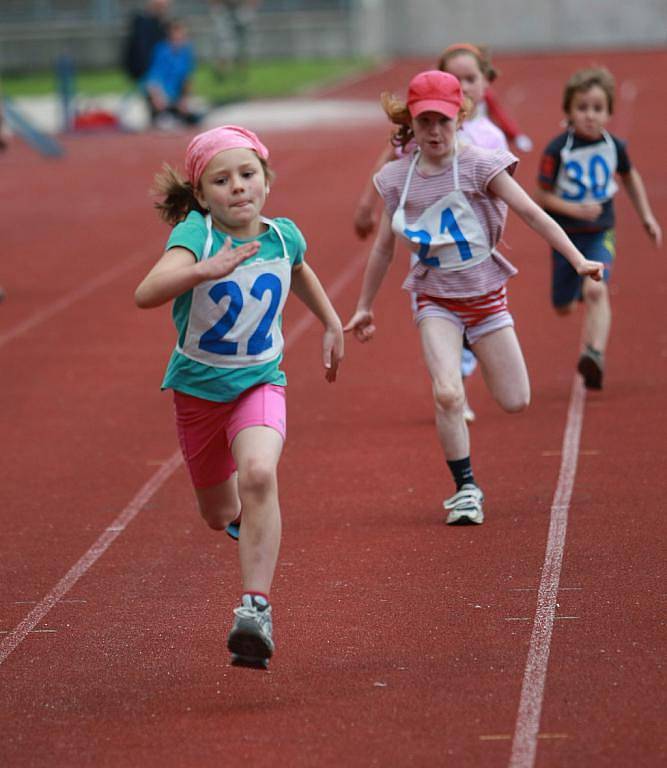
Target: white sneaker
{"type": "Point", "coordinates": [468, 413]}
{"type": "Point", "coordinates": [468, 362]}
{"type": "Point", "coordinates": [465, 506]}
{"type": "Point", "coordinates": [251, 639]}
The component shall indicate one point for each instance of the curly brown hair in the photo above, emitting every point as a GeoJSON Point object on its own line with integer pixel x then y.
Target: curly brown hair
{"type": "Point", "coordinates": [397, 111]}
{"type": "Point", "coordinates": [583, 80]}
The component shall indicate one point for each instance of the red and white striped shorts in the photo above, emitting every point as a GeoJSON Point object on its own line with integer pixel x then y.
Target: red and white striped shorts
{"type": "Point", "coordinates": [477, 316]}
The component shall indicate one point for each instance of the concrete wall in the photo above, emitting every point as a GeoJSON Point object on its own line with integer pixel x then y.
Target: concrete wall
{"type": "Point", "coordinates": [370, 27]}
{"type": "Point", "coordinates": [426, 26]}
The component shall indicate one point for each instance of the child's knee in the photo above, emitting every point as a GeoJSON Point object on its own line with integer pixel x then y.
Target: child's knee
{"type": "Point", "coordinates": [595, 292]}
{"type": "Point", "coordinates": [218, 517]}
{"type": "Point", "coordinates": [448, 396]}
{"type": "Point", "coordinates": [565, 309]}
{"type": "Point", "coordinates": [257, 478]}
{"type": "Point", "coordinates": [516, 402]}
{"type": "Point", "coordinates": [218, 508]}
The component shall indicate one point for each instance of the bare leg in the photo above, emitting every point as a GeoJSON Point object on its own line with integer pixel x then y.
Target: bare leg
{"type": "Point", "coordinates": [219, 504]}
{"type": "Point", "coordinates": [441, 343]}
{"type": "Point", "coordinates": [504, 369]}
{"type": "Point", "coordinates": [597, 321]}
{"type": "Point", "coordinates": [256, 452]}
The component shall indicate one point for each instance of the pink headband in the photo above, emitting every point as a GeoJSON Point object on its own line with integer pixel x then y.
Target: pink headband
{"type": "Point", "coordinates": [206, 145]}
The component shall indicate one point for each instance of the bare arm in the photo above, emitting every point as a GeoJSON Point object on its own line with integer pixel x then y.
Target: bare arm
{"type": "Point", "coordinates": [551, 202]}
{"type": "Point", "coordinates": [178, 271]}
{"type": "Point", "coordinates": [309, 290]}
{"type": "Point", "coordinates": [504, 186]}
{"type": "Point", "coordinates": [376, 268]}
{"type": "Point", "coordinates": [364, 217]}
{"type": "Point", "coordinates": [636, 190]}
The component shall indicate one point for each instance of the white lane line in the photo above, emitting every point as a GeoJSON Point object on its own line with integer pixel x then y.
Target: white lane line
{"type": "Point", "coordinates": [524, 743]}
{"type": "Point", "coordinates": [16, 637]}
{"type": "Point", "coordinates": [70, 298]}
{"type": "Point", "coordinates": [106, 539]}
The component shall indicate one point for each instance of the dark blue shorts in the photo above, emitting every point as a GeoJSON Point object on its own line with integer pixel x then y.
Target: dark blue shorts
{"type": "Point", "coordinates": [565, 282]}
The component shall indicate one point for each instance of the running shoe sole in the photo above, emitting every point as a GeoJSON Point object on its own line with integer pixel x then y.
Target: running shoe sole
{"type": "Point", "coordinates": [465, 518]}
{"type": "Point", "coordinates": [249, 662]}
{"type": "Point", "coordinates": [591, 372]}
{"type": "Point", "coordinates": [247, 646]}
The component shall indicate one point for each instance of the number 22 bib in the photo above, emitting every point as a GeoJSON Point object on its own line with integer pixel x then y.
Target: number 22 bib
{"type": "Point", "coordinates": [234, 322]}
{"type": "Point", "coordinates": [448, 233]}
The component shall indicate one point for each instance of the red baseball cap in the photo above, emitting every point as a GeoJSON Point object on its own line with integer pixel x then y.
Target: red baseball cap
{"type": "Point", "coordinates": [435, 91]}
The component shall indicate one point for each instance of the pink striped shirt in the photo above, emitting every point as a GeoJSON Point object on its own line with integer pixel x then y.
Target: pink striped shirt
{"type": "Point", "coordinates": [477, 167]}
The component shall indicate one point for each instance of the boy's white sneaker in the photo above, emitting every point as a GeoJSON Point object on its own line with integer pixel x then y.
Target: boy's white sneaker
{"type": "Point", "coordinates": [465, 506]}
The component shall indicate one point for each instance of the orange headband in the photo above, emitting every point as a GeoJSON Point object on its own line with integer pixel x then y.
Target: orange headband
{"type": "Point", "coordinates": [463, 47]}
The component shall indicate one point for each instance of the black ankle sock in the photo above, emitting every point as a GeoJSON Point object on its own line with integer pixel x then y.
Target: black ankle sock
{"type": "Point", "coordinates": [259, 600]}
{"type": "Point", "coordinates": [461, 470]}
{"type": "Point", "coordinates": [596, 354]}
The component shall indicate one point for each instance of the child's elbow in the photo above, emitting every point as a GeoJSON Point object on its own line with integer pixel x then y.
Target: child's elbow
{"type": "Point", "coordinates": [142, 298]}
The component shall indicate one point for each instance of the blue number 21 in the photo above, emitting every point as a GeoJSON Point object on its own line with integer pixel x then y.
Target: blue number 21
{"type": "Point", "coordinates": [213, 339]}
{"type": "Point", "coordinates": [447, 222]}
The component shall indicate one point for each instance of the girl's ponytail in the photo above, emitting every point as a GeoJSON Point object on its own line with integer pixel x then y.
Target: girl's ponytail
{"type": "Point", "coordinates": [177, 196]}
{"type": "Point", "coordinates": [397, 112]}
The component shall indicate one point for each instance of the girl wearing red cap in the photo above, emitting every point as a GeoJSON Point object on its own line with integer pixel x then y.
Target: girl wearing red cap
{"type": "Point", "coordinates": [228, 270]}
{"type": "Point", "coordinates": [449, 204]}
{"type": "Point", "coordinates": [472, 66]}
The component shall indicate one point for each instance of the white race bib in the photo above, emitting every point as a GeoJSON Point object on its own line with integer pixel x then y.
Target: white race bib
{"type": "Point", "coordinates": [234, 322]}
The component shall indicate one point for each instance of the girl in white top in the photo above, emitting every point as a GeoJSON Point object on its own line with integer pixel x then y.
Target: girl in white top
{"type": "Point", "coordinates": [449, 204]}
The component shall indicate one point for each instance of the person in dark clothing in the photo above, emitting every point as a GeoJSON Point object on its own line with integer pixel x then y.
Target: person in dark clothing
{"type": "Point", "coordinates": [147, 29]}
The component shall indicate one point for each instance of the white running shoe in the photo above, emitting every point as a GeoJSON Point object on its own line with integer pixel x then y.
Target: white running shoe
{"type": "Point", "coordinates": [465, 506]}
{"type": "Point", "coordinates": [468, 362]}
{"type": "Point", "coordinates": [468, 413]}
{"type": "Point", "coordinates": [251, 639]}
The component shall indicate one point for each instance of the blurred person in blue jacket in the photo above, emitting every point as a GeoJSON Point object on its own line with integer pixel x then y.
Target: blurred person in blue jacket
{"type": "Point", "coordinates": [167, 82]}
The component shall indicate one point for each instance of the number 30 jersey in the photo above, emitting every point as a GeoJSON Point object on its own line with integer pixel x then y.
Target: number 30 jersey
{"type": "Point", "coordinates": [229, 330]}
{"type": "Point", "coordinates": [583, 171]}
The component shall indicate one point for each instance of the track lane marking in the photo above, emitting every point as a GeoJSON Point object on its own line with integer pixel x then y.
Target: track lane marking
{"type": "Point", "coordinates": [524, 743]}
{"type": "Point", "coordinates": [16, 636]}
{"type": "Point", "coordinates": [72, 297]}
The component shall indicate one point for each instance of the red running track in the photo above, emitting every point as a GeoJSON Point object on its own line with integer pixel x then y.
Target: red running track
{"type": "Point", "coordinates": [401, 642]}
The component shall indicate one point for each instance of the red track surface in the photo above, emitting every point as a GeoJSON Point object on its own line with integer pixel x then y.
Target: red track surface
{"type": "Point", "coordinates": [400, 642]}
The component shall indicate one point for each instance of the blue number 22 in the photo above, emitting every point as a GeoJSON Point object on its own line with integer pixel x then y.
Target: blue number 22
{"type": "Point", "coordinates": [213, 339]}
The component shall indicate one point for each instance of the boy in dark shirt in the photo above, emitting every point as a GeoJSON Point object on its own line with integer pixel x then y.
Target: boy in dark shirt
{"type": "Point", "coordinates": [576, 186]}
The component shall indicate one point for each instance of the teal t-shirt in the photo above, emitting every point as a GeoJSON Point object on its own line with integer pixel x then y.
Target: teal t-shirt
{"type": "Point", "coordinates": [207, 381]}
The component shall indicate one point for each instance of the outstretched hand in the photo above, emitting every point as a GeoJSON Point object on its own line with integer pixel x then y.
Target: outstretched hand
{"type": "Point", "coordinates": [361, 323]}
{"type": "Point", "coordinates": [333, 346]}
{"type": "Point", "coordinates": [653, 228]}
{"type": "Point", "coordinates": [592, 269]}
{"type": "Point", "coordinates": [586, 211]}
{"type": "Point", "coordinates": [225, 261]}
{"type": "Point", "coordinates": [364, 221]}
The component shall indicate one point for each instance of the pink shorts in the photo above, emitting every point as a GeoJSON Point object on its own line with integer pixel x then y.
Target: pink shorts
{"type": "Point", "coordinates": [206, 430]}
{"type": "Point", "coordinates": [476, 317]}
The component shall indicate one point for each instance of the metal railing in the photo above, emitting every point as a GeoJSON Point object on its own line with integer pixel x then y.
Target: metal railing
{"type": "Point", "coordinates": [110, 11]}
